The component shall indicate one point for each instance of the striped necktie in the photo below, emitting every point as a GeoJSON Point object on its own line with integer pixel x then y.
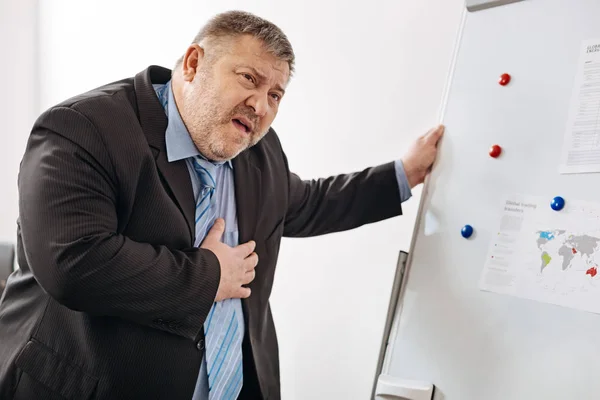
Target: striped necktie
{"type": "Point", "coordinates": [223, 344]}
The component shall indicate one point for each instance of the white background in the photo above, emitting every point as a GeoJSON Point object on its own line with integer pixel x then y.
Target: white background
{"type": "Point", "coordinates": [18, 100]}
{"type": "Point", "coordinates": [369, 80]}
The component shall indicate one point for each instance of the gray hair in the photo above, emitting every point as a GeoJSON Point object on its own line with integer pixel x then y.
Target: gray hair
{"type": "Point", "coordinates": [236, 23]}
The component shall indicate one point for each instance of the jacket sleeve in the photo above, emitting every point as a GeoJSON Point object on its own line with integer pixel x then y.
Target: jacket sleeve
{"type": "Point", "coordinates": [68, 219]}
{"type": "Point", "coordinates": [341, 202]}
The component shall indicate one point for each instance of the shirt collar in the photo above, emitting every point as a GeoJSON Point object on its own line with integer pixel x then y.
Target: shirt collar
{"type": "Point", "coordinates": [178, 142]}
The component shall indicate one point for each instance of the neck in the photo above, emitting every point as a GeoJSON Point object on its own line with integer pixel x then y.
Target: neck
{"type": "Point", "coordinates": [177, 84]}
{"type": "Point", "coordinates": [177, 87]}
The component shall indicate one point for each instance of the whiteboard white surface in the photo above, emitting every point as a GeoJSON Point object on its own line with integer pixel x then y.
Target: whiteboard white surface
{"type": "Point", "coordinates": [470, 344]}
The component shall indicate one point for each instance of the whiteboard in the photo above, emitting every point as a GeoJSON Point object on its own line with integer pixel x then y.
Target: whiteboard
{"type": "Point", "coordinates": [471, 344]}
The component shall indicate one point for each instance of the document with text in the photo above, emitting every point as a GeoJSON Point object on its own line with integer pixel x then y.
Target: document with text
{"type": "Point", "coordinates": [581, 148]}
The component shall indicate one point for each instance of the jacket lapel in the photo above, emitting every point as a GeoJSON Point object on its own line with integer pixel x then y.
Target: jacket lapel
{"type": "Point", "coordinates": [247, 183]}
{"type": "Point", "coordinates": [247, 194]}
{"type": "Point", "coordinates": [152, 117]}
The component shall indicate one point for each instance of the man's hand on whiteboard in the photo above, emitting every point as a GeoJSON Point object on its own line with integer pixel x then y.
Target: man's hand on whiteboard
{"type": "Point", "coordinates": [419, 158]}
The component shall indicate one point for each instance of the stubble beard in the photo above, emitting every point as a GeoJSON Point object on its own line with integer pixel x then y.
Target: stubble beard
{"type": "Point", "coordinates": [209, 127]}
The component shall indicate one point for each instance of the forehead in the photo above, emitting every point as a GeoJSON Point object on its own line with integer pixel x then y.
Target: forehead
{"type": "Point", "coordinates": [248, 51]}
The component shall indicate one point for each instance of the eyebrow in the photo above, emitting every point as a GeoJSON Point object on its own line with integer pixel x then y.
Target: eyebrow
{"type": "Point", "coordinates": [263, 78]}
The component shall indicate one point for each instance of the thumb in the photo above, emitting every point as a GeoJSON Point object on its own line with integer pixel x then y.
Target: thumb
{"type": "Point", "coordinates": [216, 232]}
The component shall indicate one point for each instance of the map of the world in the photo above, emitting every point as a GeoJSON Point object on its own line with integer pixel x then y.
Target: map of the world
{"type": "Point", "coordinates": [558, 246]}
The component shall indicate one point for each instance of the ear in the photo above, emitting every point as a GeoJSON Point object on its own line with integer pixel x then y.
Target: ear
{"type": "Point", "coordinates": [191, 61]}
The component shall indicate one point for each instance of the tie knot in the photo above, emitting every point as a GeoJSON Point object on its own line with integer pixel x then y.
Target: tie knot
{"type": "Point", "coordinates": [206, 172]}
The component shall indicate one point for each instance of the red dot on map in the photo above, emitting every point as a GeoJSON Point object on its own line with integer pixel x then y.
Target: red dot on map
{"type": "Point", "coordinates": [574, 250]}
{"type": "Point", "coordinates": [592, 272]}
{"type": "Point", "coordinates": [504, 79]}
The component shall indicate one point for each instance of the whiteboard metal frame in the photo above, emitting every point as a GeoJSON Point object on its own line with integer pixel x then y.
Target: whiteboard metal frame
{"type": "Point", "coordinates": [403, 268]}
{"type": "Point", "coordinates": [396, 286]}
{"type": "Point", "coordinates": [405, 258]}
{"type": "Point", "coordinates": [478, 5]}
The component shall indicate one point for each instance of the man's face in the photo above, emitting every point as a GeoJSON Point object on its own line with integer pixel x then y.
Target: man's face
{"type": "Point", "coordinates": [230, 101]}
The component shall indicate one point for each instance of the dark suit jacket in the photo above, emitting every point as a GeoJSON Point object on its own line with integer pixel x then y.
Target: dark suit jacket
{"type": "Point", "coordinates": [111, 296]}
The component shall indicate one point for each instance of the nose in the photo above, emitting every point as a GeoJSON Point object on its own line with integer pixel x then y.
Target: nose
{"type": "Point", "coordinates": [259, 103]}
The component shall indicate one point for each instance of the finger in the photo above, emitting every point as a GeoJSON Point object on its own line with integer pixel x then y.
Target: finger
{"type": "Point", "coordinates": [435, 134]}
{"type": "Point", "coordinates": [251, 262]}
{"type": "Point", "coordinates": [216, 232]}
{"type": "Point", "coordinates": [243, 293]}
{"type": "Point", "coordinates": [246, 249]}
{"type": "Point", "coordinates": [249, 277]}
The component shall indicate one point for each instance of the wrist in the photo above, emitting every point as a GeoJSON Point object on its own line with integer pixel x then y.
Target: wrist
{"type": "Point", "coordinates": [411, 174]}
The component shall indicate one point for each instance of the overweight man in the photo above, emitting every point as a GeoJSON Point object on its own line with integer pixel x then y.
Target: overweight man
{"type": "Point", "coordinates": [151, 211]}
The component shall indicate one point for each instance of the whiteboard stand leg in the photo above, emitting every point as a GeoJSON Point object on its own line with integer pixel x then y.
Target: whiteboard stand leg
{"type": "Point", "coordinates": [396, 287]}
{"type": "Point", "coordinates": [390, 388]}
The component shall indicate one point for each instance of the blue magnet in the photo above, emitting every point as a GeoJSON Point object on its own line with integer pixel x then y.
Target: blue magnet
{"type": "Point", "coordinates": [466, 231]}
{"type": "Point", "coordinates": [557, 203]}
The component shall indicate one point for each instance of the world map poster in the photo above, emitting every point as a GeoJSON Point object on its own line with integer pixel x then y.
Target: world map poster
{"type": "Point", "coordinates": [545, 255]}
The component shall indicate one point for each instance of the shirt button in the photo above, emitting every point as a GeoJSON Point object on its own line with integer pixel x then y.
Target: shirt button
{"type": "Point", "coordinates": [200, 345]}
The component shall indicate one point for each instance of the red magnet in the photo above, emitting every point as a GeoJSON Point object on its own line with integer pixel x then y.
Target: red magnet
{"type": "Point", "coordinates": [495, 151]}
{"type": "Point", "coordinates": [504, 79]}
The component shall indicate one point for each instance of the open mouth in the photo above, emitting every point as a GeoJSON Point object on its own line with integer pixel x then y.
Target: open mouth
{"type": "Point", "coordinates": [241, 125]}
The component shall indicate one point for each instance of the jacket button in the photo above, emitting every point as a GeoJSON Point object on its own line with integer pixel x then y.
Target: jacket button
{"type": "Point", "coordinates": [200, 345]}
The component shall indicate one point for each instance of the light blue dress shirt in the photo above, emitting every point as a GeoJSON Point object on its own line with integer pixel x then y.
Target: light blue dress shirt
{"type": "Point", "coordinates": [181, 147]}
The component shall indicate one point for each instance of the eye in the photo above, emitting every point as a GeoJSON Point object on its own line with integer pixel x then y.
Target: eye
{"type": "Point", "coordinates": [249, 77]}
{"type": "Point", "coordinates": [275, 97]}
